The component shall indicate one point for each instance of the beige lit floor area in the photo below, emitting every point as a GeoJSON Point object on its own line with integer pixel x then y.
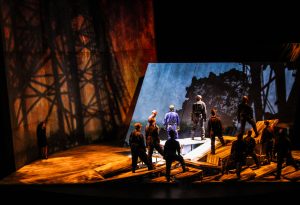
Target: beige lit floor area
{"type": "Point", "coordinates": [107, 164]}
{"type": "Point", "coordinates": [76, 165]}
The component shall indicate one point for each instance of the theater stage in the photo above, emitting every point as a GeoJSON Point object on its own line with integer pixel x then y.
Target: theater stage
{"type": "Point", "coordinates": [79, 173]}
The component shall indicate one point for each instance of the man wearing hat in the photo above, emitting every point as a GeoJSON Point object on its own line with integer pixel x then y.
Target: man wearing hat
{"type": "Point", "coordinates": [198, 116]}
{"type": "Point", "coordinates": [171, 121]}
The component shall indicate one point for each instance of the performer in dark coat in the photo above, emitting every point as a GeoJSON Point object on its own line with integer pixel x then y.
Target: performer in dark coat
{"type": "Point", "coordinates": [172, 153]}
{"type": "Point", "coordinates": [152, 139]}
{"type": "Point", "coordinates": [214, 129]}
{"type": "Point", "coordinates": [266, 140]}
{"type": "Point", "coordinates": [138, 148]}
{"type": "Point", "coordinates": [283, 149]}
{"type": "Point", "coordinates": [42, 140]}
{"type": "Point", "coordinates": [237, 154]}
{"type": "Point", "coordinates": [250, 146]}
{"type": "Point", "coordinates": [245, 114]}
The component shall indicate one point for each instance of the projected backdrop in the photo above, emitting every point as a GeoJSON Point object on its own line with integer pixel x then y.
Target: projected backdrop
{"type": "Point", "coordinates": [222, 85]}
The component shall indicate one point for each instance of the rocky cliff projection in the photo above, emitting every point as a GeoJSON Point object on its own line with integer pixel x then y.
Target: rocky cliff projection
{"type": "Point", "coordinates": [222, 86]}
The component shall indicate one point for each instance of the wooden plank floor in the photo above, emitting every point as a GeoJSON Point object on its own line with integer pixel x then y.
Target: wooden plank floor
{"type": "Point", "coordinates": [134, 177]}
{"type": "Point", "coordinates": [76, 165]}
{"type": "Point", "coordinates": [265, 170]}
{"type": "Point", "coordinates": [178, 175]}
{"type": "Point", "coordinates": [246, 175]}
{"type": "Point", "coordinates": [104, 163]}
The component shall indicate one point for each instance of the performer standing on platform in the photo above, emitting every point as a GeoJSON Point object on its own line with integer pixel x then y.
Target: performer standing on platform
{"type": "Point", "coordinates": [284, 151]}
{"type": "Point", "coordinates": [250, 146]}
{"type": "Point", "coordinates": [237, 154]}
{"type": "Point", "coordinates": [171, 147]}
{"type": "Point", "coordinates": [198, 117]}
{"type": "Point", "coordinates": [171, 121]}
{"type": "Point", "coordinates": [152, 139]}
{"type": "Point", "coordinates": [245, 114]}
{"type": "Point", "coordinates": [214, 129]}
{"type": "Point", "coordinates": [266, 140]}
{"type": "Point", "coordinates": [138, 149]}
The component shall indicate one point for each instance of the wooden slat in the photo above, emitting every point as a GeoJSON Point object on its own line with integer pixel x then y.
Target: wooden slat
{"type": "Point", "coordinates": [293, 176]}
{"type": "Point", "coordinates": [209, 179]}
{"type": "Point", "coordinates": [296, 155]}
{"type": "Point", "coordinates": [113, 168]}
{"type": "Point", "coordinates": [213, 159]}
{"type": "Point", "coordinates": [224, 152]}
{"type": "Point", "coordinates": [270, 178]}
{"type": "Point", "coordinates": [191, 174]}
{"type": "Point", "coordinates": [129, 176]}
{"type": "Point", "coordinates": [246, 175]}
{"type": "Point", "coordinates": [265, 170]}
{"type": "Point", "coordinates": [229, 139]}
{"type": "Point", "coordinates": [163, 178]}
{"type": "Point", "coordinates": [287, 170]}
{"type": "Point", "coordinates": [201, 165]}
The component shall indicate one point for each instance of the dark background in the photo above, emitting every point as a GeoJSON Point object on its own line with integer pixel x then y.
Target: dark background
{"type": "Point", "coordinates": [194, 31]}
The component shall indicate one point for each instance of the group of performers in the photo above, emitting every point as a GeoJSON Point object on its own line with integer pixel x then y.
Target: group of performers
{"type": "Point", "coordinates": [241, 148]}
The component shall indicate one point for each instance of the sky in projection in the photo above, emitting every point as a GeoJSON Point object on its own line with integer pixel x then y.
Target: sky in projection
{"type": "Point", "coordinates": [165, 84]}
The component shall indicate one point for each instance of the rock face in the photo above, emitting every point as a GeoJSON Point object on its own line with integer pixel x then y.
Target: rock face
{"type": "Point", "coordinates": [222, 92]}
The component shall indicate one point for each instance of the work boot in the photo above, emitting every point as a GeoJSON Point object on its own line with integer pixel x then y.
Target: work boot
{"type": "Point", "coordinates": [168, 179]}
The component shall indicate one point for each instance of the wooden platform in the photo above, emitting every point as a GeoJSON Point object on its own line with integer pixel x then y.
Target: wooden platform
{"type": "Point", "coordinates": [265, 170]}
{"type": "Point", "coordinates": [294, 176]}
{"type": "Point", "coordinates": [138, 176]}
{"type": "Point", "coordinates": [109, 164]}
{"type": "Point", "coordinates": [246, 175]}
{"type": "Point", "coordinates": [76, 165]}
{"type": "Point", "coordinates": [179, 176]}
{"type": "Point", "coordinates": [201, 165]}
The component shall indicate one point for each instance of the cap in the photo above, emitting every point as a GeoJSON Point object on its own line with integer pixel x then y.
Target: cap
{"type": "Point", "coordinates": [171, 107]}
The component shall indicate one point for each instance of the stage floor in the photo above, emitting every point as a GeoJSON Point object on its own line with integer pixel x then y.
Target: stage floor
{"type": "Point", "coordinates": [99, 163]}
{"type": "Point", "coordinates": [75, 165]}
